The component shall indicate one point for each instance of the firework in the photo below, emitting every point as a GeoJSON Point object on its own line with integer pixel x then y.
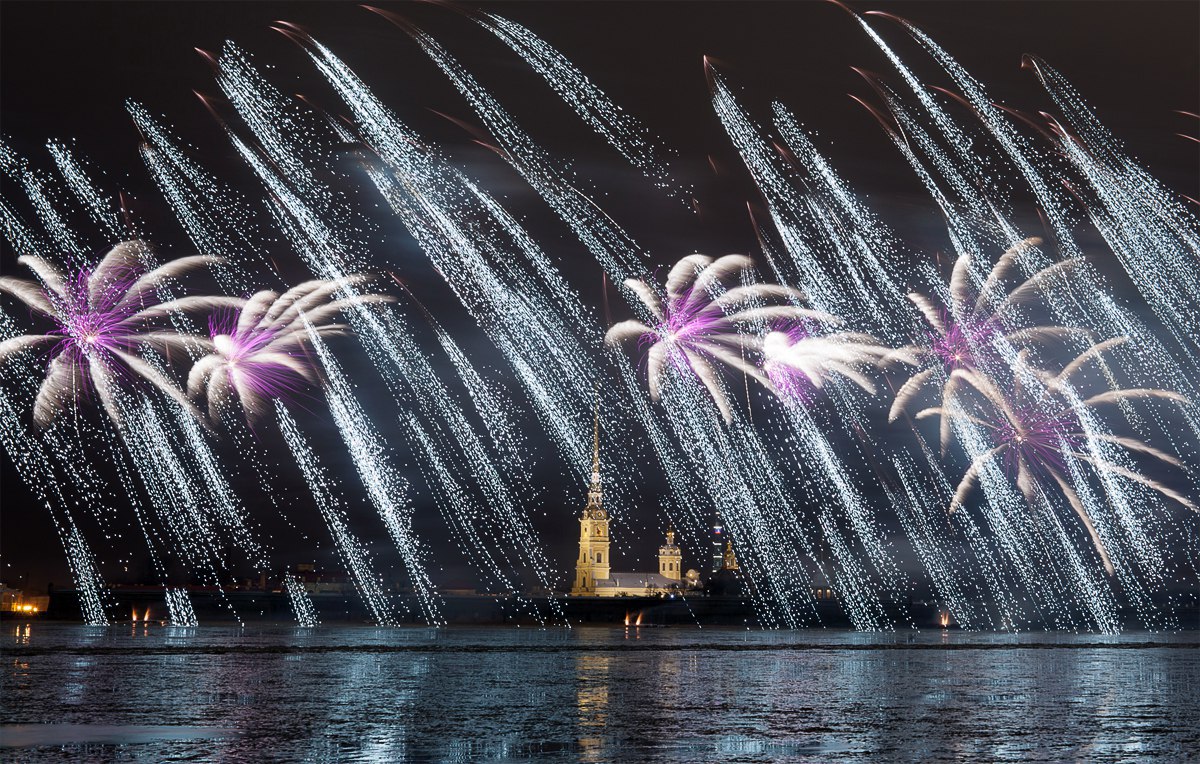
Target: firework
{"type": "Point", "coordinates": [701, 322]}
{"type": "Point", "coordinates": [1039, 430]}
{"type": "Point", "coordinates": [257, 349]}
{"type": "Point", "coordinates": [799, 362]}
{"type": "Point", "coordinates": [970, 333]}
{"type": "Point", "coordinates": [102, 316]}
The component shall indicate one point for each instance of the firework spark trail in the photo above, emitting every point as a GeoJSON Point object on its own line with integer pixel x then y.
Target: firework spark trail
{"type": "Point", "coordinates": [381, 334]}
{"type": "Point", "coordinates": [856, 238]}
{"type": "Point", "coordinates": [179, 608]}
{"type": "Point", "coordinates": [565, 299]}
{"type": "Point", "coordinates": [609, 244]}
{"type": "Point", "coordinates": [1007, 521]}
{"type": "Point", "coordinates": [736, 472]}
{"type": "Point", "coordinates": [426, 195]}
{"type": "Point", "coordinates": [813, 447]}
{"type": "Point", "coordinates": [687, 494]}
{"type": "Point", "coordinates": [1041, 554]}
{"type": "Point", "coordinates": [784, 203]}
{"type": "Point", "coordinates": [530, 336]}
{"type": "Point", "coordinates": [218, 494]}
{"type": "Point", "coordinates": [36, 460]}
{"type": "Point", "coordinates": [1162, 264]}
{"type": "Point", "coordinates": [429, 198]}
{"type": "Point", "coordinates": [459, 507]}
{"type": "Point", "coordinates": [283, 131]}
{"type": "Point", "coordinates": [1097, 596]}
{"type": "Point", "coordinates": [1127, 523]}
{"type": "Point", "coordinates": [23, 241]}
{"type": "Point", "coordinates": [89, 195]}
{"type": "Point", "coordinates": [187, 484]}
{"type": "Point", "coordinates": [302, 606]}
{"type": "Point", "coordinates": [964, 208]}
{"type": "Point", "coordinates": [42, 196]}
{"type": "Point", "coordinates": [622, 131]}
{"type": "Point", "coordinates": [1154, 365]}
{"type": "Point", "coordinates": [386, 341]}
{"type": "Point", "coordinates": [466, 516]}
{"type": "Point", "coordinates": [493, 408]}
{"type": "Point", "coordinates": [387, 490]}
{"type": "Point", "coordinates": [213, 217]}
{"type": "Point", "coordinates": [1133, 589]}
{"type": "Point", "coordinates": [204, 489]}
{"type": "Point", "coordinates": [177, 499]}
{"type": "Point", "coordinates": [353, 553]}
{"type": "Point", "coordinates": [860, 592]}
{"type": "Point", "coordinates": [1156, 238]}
{"type": "Point", "coordinates": [970, 163]}
{"type": "Point", "coordinates": [504, 520]}
{"type": "Point", "coordinates": [851, 581]}
{"type": "Point", "coordinates": [88, 582]}
{"type": "Point", "coordinates": [922, 516]}
{"type": "Point", "coordinates": [994, 577]}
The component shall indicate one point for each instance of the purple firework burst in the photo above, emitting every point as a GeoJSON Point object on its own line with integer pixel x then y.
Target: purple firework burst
{"type": "Point", "coordinates": [103, 316]}
{"type": "Point", "coordinates": [1050, 434]}
{"type": "Point", "coordinates": [964, 334]}
{"type": "Point", "coordinates": [258, 351]}
{"type": "Point", "coordinates": [701, 324]}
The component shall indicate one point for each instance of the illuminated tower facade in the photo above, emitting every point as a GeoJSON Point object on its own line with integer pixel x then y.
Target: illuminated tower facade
{"type": "Point", "coordinates": [594, 562]}
{"type": "Point", "coordinates": [670, 559]}
{"type": "Point", "coordinates": [728, 558]}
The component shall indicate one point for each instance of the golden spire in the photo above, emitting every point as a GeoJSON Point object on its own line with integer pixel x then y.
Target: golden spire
{"type": "Point", "coordinates": [596, 443]}
{"type": "Point", "coordinates": [595, 494]}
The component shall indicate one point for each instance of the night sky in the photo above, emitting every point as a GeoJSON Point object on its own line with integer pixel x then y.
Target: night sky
{"type": "Point", "coordinates": [68, 69]}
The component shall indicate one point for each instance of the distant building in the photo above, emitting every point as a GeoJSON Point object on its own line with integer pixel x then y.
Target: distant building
{"type": "Point", "coordinates": [594, 576]}
{"type": "Point", "coordinates": [317, 581]}
{"type": "Point", "coordinates": [717, 542]}
{"type": "Point", "coordinates": [16, 601]}
{"type": "Point", "coordinates": [728, 580]}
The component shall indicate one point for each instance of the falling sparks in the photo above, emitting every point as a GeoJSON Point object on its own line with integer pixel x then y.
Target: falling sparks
{"type": "Point", "coordinates": [179, 608]}
{"type": "Point", "coordinates": [1054, 518]}
{"type": "Point", "coordinates": [302, 606]}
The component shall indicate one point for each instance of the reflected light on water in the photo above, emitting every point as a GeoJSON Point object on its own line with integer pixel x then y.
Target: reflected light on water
{"type": "Point", "coordinates": [591, 700]}
{"type": "Point", "coordinates": [352, 694]}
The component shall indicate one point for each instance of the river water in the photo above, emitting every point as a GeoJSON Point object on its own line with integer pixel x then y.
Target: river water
{"type": "Point", "coordinates": [361, 694]}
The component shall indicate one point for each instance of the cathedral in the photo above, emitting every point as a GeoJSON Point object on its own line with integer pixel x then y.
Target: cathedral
{"type": "Point", "coordinates": [594, 576]}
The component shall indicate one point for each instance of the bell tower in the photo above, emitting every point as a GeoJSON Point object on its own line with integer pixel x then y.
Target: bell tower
{"type": "Point", "coordinates": [729, 559]}
{"type": "Point", "coordinates": [670, 559]}
{"type": "Point", "coordinates": [594, 562]}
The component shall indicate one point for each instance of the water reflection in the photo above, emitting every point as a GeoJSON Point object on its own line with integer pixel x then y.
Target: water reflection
{"type": "Point", "coordinates": [687, 695]}
{"type": "Point", "coordinates": [591, 701]}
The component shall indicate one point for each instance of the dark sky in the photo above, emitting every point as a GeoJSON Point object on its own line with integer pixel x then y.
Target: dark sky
{"type": "Point", "coordinates": [68, 68]}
